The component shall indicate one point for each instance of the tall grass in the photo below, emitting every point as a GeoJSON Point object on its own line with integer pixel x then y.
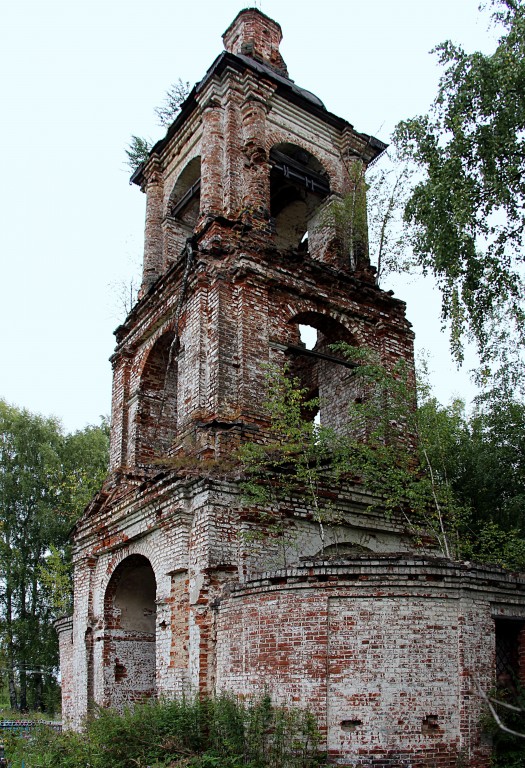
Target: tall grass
{"type": "Point", "coordinates": [212, 733]}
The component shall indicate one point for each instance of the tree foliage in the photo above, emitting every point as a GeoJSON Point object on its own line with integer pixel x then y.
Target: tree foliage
{"type": "Point", "coordinates": [296, 452]}
{"type": "Point", "coordinates": [175, 96]}
{"type": "Point", "coordinates": [481, 456]}
{"type": "Point", "coordinates": [388, 187]}
{"type": "Point", "coordinates": [46, 478]}
{"type": "Point", "coordinates": [347, 216]}
{"type": "Point", "coordinates": [468, 210]}
{"type": "Point", "coordinates": [137, 151]}
{"type": "Point", "coordinates": [367, 219]}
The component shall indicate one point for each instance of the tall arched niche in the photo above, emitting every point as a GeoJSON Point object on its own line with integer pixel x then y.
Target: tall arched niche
{"type": "Point", "coordinates": [129, 633]}
{"type": "Point", "coordinates": [157, 413]}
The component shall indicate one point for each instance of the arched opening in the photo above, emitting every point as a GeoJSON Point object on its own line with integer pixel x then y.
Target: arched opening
{"type": "Point", "coordinates": [129, 636]}
{"type": "Point", "coordinates": [323, 372]}
{"type": "Point", "coordinates": [184, 208]}
{"type": "Point", "coordinates": [298, 185]}
{"type": "Point", "coordinates": [158, 401]}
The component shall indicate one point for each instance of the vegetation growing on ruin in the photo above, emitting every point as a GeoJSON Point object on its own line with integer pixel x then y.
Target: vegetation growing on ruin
{"type": "Point", "coordinates": [367, 219]}
{"type": "Point", "coordinates": [377, 450]}
{"type": "Point", "coordinates": [139, 148]}
{"type": "Point", "coordinates": [220, 733]}
{"type": "Point", "coordinates": [458, 477]}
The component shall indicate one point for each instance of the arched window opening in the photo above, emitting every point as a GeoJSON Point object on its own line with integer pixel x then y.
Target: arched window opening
{"type": "Point", "coordinates": [184, 208]}
{"type": "Point", "coordinates": [298, 185]}
{"type": "Point", "coordinates": [323, 372]}
{"type": "Point", "coordinates": [158, 401]}
{"type": "Point", "coordinates": [129, 624]}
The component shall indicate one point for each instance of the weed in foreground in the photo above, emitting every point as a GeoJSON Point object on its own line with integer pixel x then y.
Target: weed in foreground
{"type": "Point", "coordinates": [212, 733]}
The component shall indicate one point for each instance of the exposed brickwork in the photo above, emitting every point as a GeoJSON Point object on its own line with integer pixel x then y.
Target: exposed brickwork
{"type": "Point", "coordinates": [174, 593]}
{"type": "Point", "coordinates": [386, 651]}
{"type": "Point", "coordinates": [64, 628]}
{"type": "Point", "coordinates": [257, 36]}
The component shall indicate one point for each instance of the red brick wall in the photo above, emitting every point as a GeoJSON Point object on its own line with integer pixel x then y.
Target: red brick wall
{"type": "Point", "coordinates": [64, 628]}
{"type": "Point", "coordinates": [386, 659]}
{"type": "Point", "coordinates": [255, 34]}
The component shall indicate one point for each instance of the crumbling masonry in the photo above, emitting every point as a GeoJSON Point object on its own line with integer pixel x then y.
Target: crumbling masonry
{"type": "Point", "coordinates": [382, 640]}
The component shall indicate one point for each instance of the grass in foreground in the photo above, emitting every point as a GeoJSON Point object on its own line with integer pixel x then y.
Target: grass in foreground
{"type": "Point", "coordinates": [214, 733]}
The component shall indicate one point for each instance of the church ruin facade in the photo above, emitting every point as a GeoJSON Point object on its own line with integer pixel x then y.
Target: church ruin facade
{"type": "Point", "coordinates": [386, 642]}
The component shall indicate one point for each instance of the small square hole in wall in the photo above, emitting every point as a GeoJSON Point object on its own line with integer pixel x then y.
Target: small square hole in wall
{"type": "Point", "coordinates": [120, 671]}
{"type": "Point", "coordinates": [430, 724]}
{"type": "Point", "coordinates": [350, 725]}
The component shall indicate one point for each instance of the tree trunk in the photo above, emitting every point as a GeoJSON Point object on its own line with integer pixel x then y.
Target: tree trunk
{"type": "Point", "coordinates": [22, 650]}
{"type": "Point", "coordinates": [23, 691]}
{"type": "Point", "coordinates": [13, 703]}
{"type": "Point", "coordinates": [39, 698]}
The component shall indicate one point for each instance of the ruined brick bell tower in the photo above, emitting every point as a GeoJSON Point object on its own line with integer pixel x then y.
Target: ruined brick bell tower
{"type": "Point", "coordinates": [168, 597]}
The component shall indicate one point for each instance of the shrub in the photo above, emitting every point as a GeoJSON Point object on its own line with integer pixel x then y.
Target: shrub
{"type": "Point", "coordinates": [211, 733]}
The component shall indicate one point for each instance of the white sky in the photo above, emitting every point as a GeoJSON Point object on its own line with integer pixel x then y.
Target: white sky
{"type": "Point", "coordinates": [77, 78]}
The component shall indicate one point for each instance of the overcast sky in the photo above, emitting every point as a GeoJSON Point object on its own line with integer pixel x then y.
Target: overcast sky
{"type": "Point", "coordinates": [78, 78]}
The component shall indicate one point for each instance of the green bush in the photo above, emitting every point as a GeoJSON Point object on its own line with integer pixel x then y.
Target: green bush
{"type": "Point", "coordinates": [508, 749]}
{"type": "Point", "coordinates": [212, 733]}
